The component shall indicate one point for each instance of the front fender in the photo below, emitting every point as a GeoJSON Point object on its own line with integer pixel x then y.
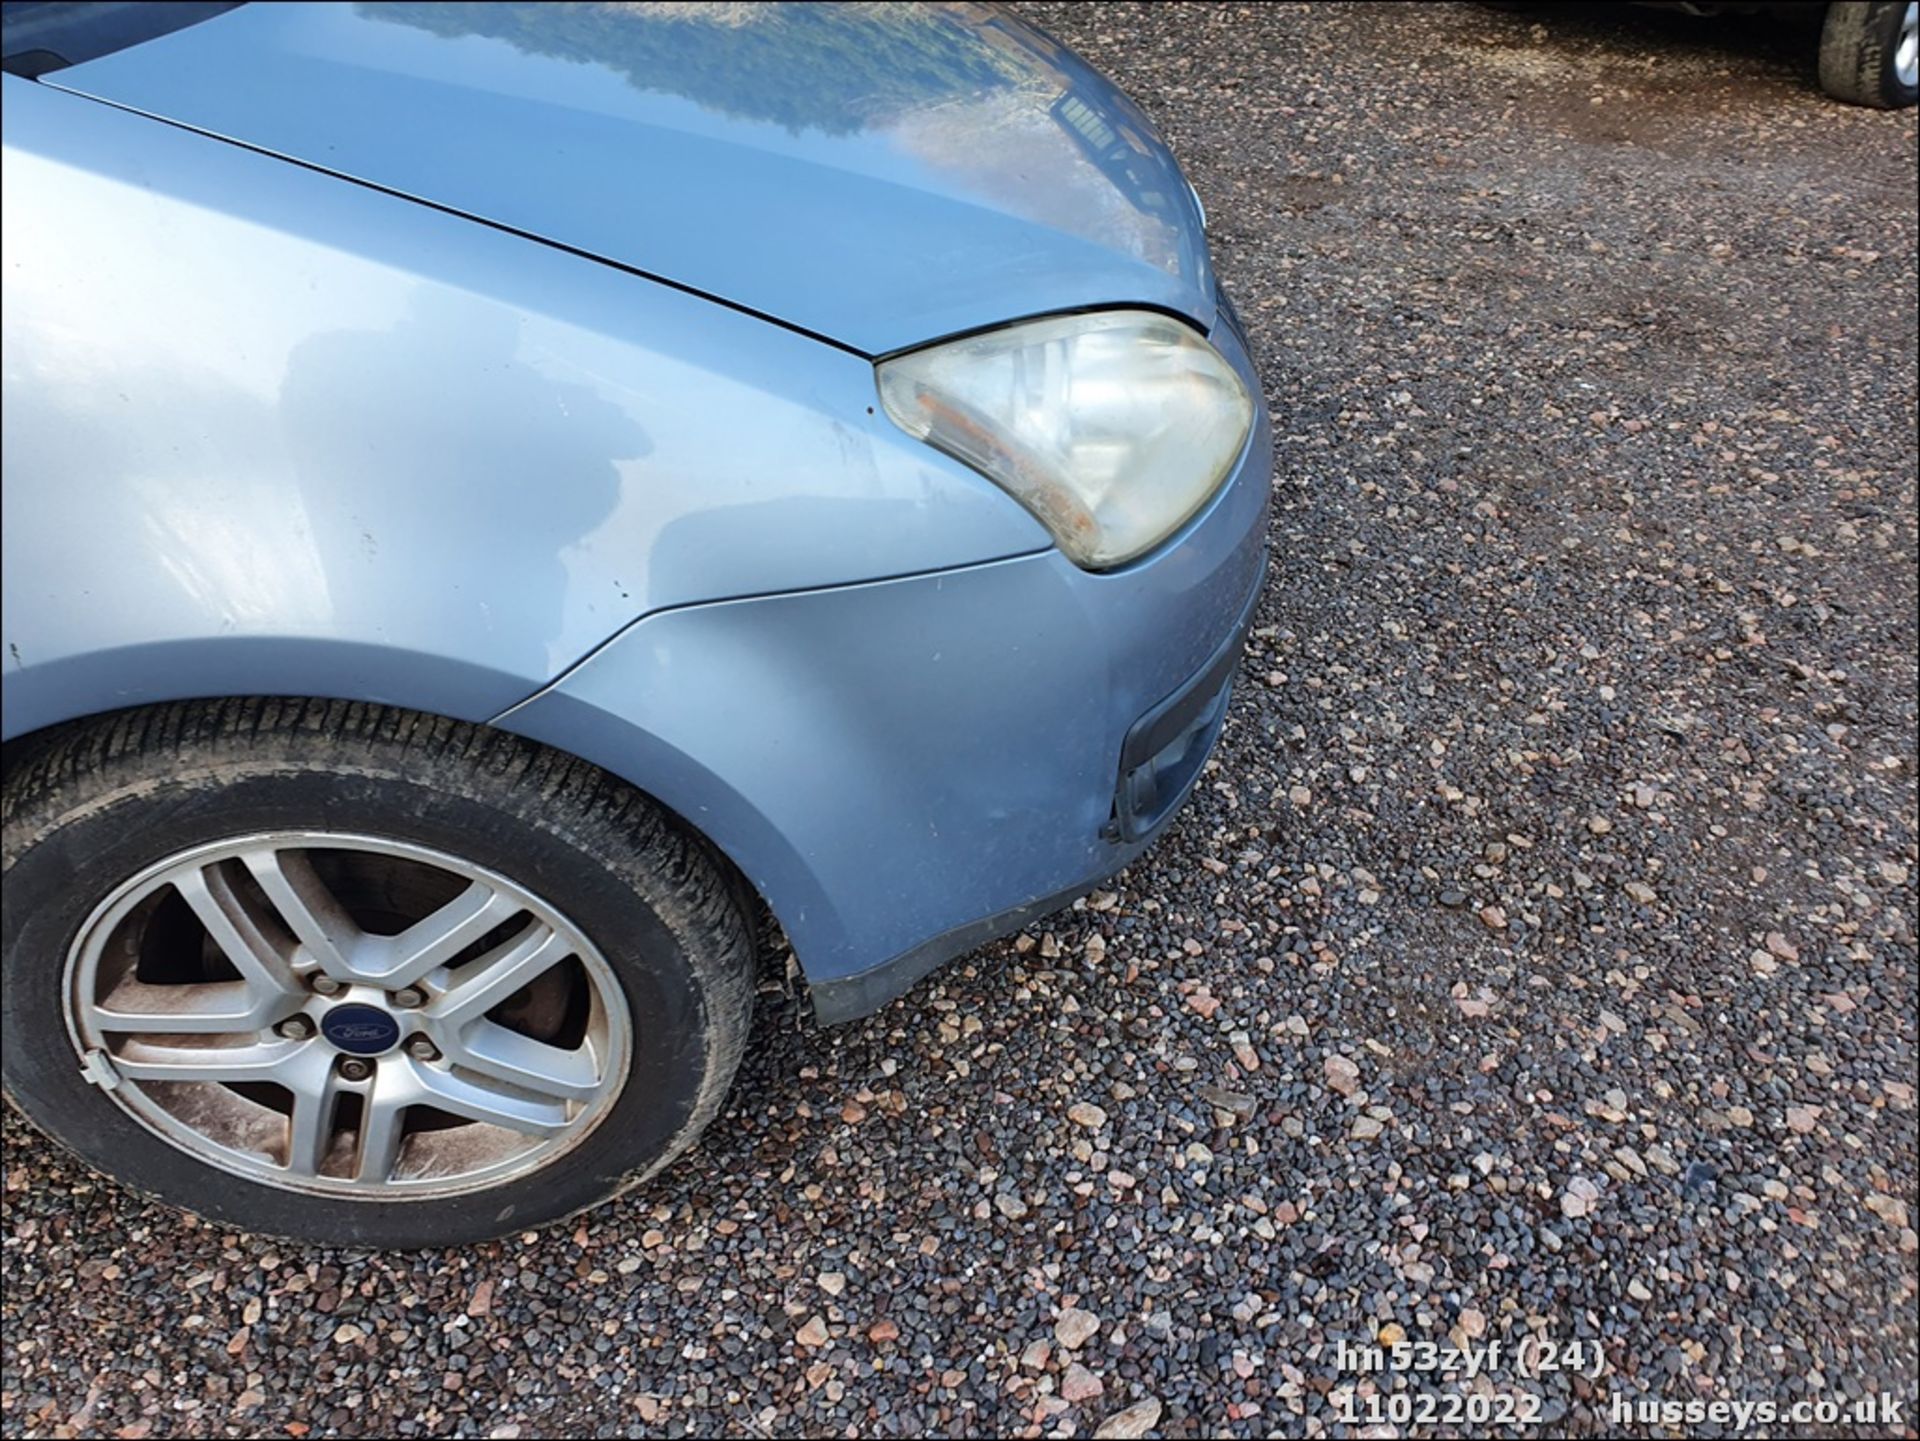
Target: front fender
{"type": "Point", "coordinates": [895, 763]}
{"type": "Point", "coordinates": [271, 431]}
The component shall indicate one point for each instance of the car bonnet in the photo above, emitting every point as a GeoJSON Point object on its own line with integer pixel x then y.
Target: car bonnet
{"type": "Point", "coordinates": [877, 175]}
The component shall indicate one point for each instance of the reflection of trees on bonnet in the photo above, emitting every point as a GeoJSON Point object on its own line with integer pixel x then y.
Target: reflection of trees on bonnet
{"type": "Point", "coordinates": [830, 68]}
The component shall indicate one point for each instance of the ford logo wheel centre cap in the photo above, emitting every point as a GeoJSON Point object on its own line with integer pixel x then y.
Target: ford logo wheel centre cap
{"type": "Point", "coordinates": [360, 1030]}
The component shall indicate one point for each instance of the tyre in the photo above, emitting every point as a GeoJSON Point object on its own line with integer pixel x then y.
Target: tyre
{"type": "Point", "coordinates": [360, 976]}
{"type": "Point", "coordinates": [1870, 52]}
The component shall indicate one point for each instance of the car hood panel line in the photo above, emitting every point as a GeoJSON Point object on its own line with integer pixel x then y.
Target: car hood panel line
{"type": "Point", "coordinates": [877, 179]}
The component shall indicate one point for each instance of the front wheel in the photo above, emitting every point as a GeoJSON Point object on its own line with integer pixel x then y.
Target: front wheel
{"type": "Point", "coordinates": [1870, 52]}
{"type": "Point", "coordinates": [360, 976]}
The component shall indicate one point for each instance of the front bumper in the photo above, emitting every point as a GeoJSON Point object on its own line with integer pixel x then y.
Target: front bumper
{"type": "Point", "coordinates": [1160, 759]}
{"type": "Point", "coordinates": [906, 768]}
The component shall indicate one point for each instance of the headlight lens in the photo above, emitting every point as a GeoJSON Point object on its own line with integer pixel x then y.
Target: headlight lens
{"type": "Point", "coordinates": [1112, 428]}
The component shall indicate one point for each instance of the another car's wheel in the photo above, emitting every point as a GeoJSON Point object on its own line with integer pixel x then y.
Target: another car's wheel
{"type": "Point", "coordinates": [357, 975]}
{"type": "Point", "coordinates": [1870, 52]}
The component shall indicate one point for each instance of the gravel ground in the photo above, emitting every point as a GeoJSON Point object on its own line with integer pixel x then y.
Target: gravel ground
{"type": "Point", "coordinates": [1537, 960]}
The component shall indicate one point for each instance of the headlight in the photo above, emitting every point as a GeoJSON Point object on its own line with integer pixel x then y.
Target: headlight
{"type": "Point", "coordinates": [1112, 428]}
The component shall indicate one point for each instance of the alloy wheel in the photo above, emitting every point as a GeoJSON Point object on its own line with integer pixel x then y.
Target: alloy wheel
{"type": "Point", "coordinates": [1906, 51]}
{"type": "Point", "coordinates": [346, 1014]}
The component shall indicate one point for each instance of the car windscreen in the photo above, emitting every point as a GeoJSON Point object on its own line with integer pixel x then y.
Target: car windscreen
{"type": "Point", "coordinates": [37, 36]}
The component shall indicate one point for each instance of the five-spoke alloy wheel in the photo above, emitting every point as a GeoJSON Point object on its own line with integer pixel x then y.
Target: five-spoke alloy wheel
{"type": "Point", "coordinates": [338, 1012]}
{"type": "Point", "coordinates": [360, 976]}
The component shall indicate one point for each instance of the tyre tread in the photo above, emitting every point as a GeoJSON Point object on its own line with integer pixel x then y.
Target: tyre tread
{"type": "Point", "coordinates": [1855, 64]}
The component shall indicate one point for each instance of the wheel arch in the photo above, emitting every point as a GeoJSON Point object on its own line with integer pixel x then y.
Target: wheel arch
{"type": "Point", "coordinates": [690, 790]}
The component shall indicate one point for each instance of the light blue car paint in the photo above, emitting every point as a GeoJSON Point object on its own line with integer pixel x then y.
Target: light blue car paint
{"type": "Point", "coordinates": [271, 433]}
{"type": "Point", "coordinates": [892, 764]}
{"type": "Point", "coordinates": [878, 178]}
{"type": "Point", "coordinates": [605, 468]}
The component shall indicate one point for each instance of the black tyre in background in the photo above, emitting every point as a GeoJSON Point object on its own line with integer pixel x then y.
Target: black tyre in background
{"type": "Point", "coordinates": [1870, 52]}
